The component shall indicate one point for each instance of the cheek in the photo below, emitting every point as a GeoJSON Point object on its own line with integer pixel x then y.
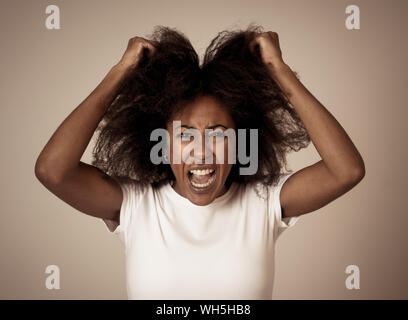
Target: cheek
{"type": "Point", "coordinates": [224, 173]}
{"type": "Point", "coordinates": [220, 150]}
{"type": "Point", "coordinates": [176, 152]}
{"type": "Point", "coordinates": [225, 152]}
{"type": "Point", "coordinates": [226, 168]}
{"type": "Point", "coordinates": [177, 170]}
{"type": "Point", "coordinates": [222, 155]}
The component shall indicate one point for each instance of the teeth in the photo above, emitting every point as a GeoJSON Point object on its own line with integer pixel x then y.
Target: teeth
{"type": "Point", "coordinates": [203, 185]}
{"type": "Point", "coordinates": [202, 172]}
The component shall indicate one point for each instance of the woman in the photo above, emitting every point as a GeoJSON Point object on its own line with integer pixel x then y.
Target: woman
{"type": "Point", "coordinates": [199, 229]}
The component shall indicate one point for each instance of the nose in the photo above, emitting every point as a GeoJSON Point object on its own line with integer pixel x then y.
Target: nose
{"type": "Point", "coordinates": [202, 153]}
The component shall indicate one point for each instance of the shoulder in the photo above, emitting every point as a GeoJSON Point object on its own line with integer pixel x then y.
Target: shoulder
{"type": "Point", "coordinates": [134, 186]}
{"type": "Point", "coordinates": [267, 192]}
{"type": "Point", "coordinates": [252, 192]}
{"type": "Point", "coordinates": [132, 190]}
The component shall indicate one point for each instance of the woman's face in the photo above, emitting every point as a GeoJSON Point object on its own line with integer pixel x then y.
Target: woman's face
{"type": "Point", "coordinates": [201, 182]}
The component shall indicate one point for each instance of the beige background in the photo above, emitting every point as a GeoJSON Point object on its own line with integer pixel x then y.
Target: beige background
{"type": "Point", "coordinates": [360, 76]}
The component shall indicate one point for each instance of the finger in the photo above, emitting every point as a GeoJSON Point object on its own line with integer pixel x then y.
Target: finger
{"type": "Point", "coordinates": [155, 43]}
{"type": "Point", "coordinates": [149, 48]}
{"type": "Point", "coordinates": [274, 35]}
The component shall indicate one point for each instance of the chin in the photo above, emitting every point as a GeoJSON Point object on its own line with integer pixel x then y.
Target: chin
{"type": "Point", "coordinates": [201, 201]}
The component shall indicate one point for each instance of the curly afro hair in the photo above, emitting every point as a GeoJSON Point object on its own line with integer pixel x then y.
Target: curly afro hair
{"type": "Point", "coordinates": [172, 77]}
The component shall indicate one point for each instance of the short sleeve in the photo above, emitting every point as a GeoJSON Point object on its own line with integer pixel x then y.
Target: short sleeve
{"type": "Point", "coordinates": [131, 196]}
{"type": "Point", "coordinates": [280, 224]}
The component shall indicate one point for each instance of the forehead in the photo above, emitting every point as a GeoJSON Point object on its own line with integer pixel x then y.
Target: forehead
{"type": "Point", "coordinates": [204, 111]}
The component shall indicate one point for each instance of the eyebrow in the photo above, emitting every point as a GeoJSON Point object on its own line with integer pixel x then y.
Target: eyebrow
{"type": "Point", "coordinates": [210, 127]}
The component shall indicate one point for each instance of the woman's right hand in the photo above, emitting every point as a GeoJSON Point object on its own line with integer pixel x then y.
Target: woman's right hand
{"type": "Point", "coordinates": [134, 52]}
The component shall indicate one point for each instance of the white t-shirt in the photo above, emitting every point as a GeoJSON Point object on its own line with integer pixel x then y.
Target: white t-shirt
{"type": "Point", "coordinates": [178, 250]}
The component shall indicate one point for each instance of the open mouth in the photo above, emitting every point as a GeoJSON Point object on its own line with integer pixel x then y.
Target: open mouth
{"type": "Point", "coordinates": [202, 179]}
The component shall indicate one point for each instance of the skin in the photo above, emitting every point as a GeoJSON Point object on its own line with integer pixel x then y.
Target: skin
{"type": "Point", "coordinates": [91, 191]}
{"type": "Point", "coordinates": [58, 167]}
{"type": "Point", "coordinates": [341, 166]}
{"type": "Point", "coordinates": [203, 113]}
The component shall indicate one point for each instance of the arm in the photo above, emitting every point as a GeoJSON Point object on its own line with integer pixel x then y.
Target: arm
{"type": "Point", "coordinates": [58, 166]}
{"type": "Point", "coordinates": [341, 167]}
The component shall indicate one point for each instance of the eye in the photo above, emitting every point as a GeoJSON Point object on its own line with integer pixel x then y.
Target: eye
{"type": "Point", "coordinates": [217, 134]}
{"type": "Point", "coordinates": [185, 135]}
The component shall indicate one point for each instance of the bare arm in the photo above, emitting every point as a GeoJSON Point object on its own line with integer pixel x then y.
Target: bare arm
{"type": "Point", "coordinates": [341, 167]}
{"type": "Point", "coordinates": [58, 166]}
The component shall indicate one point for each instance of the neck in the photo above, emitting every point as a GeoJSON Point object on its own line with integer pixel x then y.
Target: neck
{"type": "Point", "coordinates": [176, 188]}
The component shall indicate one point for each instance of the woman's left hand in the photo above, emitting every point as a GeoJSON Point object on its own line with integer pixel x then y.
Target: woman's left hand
{"type": "Point", "coordinates": [269, 49]}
